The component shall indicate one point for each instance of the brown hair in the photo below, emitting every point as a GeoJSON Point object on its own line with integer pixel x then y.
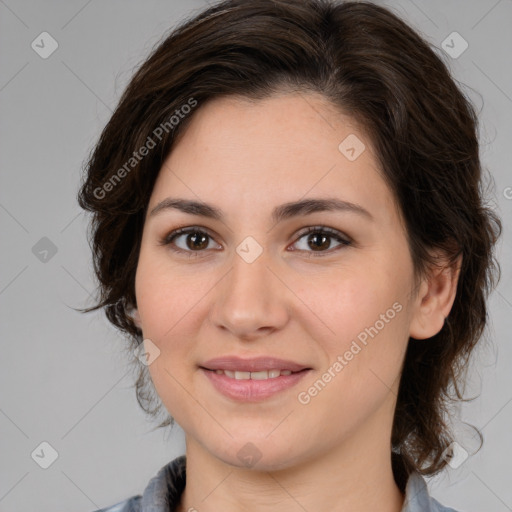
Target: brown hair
{"type": "Point", "coordinates": [368, 64]}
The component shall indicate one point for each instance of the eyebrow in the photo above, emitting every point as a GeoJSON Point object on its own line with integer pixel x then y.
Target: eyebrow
{"type": "Point", "coordinates": [280, 213]}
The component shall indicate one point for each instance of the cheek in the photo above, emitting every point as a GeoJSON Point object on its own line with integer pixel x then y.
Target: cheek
{"type": "Point", "coordinates": [363, 318]}
{"type": "Point", "coordinates": [164, 297]}
{"type": "Point", "coordinates": [170, 304]}
{"type": "Point", "coordinates": [363, 356]}
{"type": "Point", "coordinates": [167, 305]}
{"type": "Point", "coordinates": [345, 303]}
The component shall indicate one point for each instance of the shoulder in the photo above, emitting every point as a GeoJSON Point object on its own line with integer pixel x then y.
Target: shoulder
{"type": "Point", "coordinates": [132, 504]}
{"type": "Point", "coordinates": [162, 493]}
{"type": "Point", "coordinates": [418, 499]}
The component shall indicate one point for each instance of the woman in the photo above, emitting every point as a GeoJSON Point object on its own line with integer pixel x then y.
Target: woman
{"type": "Point", "coordinates": [288, 225]}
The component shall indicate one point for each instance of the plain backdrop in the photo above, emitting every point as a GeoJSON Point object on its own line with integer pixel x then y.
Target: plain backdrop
{"type": "Point", "coordinates": [62, 378]}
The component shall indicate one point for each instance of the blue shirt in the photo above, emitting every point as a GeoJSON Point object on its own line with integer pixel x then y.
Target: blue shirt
{"type": "Point", "coordinates": [163, 493]}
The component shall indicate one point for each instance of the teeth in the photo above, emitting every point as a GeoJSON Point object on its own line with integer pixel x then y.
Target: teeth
{"type": "Point", "coordinates": [262, 375]}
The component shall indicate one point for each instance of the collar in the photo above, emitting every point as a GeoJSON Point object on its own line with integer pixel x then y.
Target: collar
{"type": "Point", "coordinates": [417, 498]}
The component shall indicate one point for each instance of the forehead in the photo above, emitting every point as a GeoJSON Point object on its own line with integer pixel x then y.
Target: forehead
{"type": "Point", "coordinates": [248, 156]}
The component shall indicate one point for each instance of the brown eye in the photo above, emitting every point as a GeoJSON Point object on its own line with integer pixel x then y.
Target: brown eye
{"type": "Point", "coordinates": [189, 240]}
{"type": "Point", "coordinates": [319, 239]}
{"type": "Point", "coordinates": [197, 240]}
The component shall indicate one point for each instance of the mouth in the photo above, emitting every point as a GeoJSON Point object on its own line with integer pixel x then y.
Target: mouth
{"type": "Point", "coordinates": [262, 367]}
{"type": "Point", "coordinates": [254, 379]}
{"type": "Point", "coordinates": [253, 386]}
{"type": "Point", "coordinates": [259, 375]}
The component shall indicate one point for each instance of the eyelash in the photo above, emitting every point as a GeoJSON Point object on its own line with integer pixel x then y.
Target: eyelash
{"type": "Point", "coordinates": [168, 239]}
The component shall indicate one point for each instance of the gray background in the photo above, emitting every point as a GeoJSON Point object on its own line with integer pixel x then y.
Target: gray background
{"type": "Point", "coordinates": [62, 377]}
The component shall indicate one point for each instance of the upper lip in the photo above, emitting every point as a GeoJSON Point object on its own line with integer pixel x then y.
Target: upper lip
{"type": "Point", "coordinates": [255, 364]}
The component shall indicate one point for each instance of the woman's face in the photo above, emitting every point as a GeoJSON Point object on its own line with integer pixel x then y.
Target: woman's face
{"type": "Point", "coordinates": [254, 283]}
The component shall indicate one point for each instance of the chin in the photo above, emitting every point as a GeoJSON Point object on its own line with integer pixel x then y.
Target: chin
{"type": "Point", "coordinates": [258, 456]}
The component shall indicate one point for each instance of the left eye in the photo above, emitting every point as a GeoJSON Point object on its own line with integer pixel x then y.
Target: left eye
{"type": "Point", "coordinates": [319, 239]}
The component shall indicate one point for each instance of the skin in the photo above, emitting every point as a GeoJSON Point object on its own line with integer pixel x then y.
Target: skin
{"type": "Point", "coordinates": [246, 158]}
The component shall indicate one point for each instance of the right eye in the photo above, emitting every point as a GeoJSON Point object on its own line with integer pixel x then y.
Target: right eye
{"type": "Point", "coordinates": [188, 240]}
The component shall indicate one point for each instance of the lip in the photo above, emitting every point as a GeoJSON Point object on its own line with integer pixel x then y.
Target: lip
{"type": "Point", "coordinates": [249, 390]}
{"type": "Point", "coordinates": [254, 364]}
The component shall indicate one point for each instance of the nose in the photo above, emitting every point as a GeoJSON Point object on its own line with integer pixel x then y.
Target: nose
{"type": "Point", "coordinates": [250, 302]}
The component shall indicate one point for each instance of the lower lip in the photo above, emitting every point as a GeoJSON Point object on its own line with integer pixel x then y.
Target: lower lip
{"type": "Point", "coordinates": [249, 390]}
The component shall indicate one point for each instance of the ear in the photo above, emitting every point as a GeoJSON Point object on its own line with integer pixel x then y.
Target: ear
{"type": "Point", "coordinates": [134, 314]}
{"type": "Point", "coordinates": [136, 318]}
{"type": "Point", "coordinates": [435, 299]}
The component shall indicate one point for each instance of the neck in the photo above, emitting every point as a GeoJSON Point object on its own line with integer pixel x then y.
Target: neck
{"type": "Point", "coordinates": [357, 476]}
